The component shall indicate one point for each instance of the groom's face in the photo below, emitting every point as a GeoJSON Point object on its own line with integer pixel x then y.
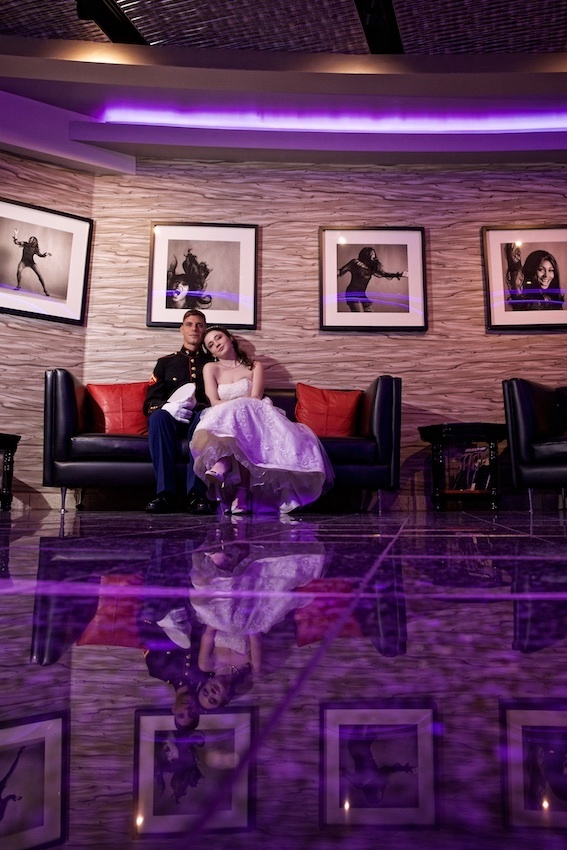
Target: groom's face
{"type": "Point", "coordinates": [192, 331]}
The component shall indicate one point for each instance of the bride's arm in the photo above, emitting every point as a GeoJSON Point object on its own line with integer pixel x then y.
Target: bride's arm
{"type": "Point", "coordinates": [257, 381]}
{"type": "Point", "coordinates": [211, 383]}
{"type": "Point", "coordinates": [206, 657]}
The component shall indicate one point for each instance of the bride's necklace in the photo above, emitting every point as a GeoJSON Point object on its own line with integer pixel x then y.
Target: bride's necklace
{"type": "Point", "coordinates": [236, 364]}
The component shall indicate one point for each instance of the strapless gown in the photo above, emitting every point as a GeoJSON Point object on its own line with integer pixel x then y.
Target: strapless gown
{"type": "Point", "coordinates": [287, 464]}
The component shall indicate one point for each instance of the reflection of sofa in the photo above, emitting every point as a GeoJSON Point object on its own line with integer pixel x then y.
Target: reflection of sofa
{"type": "Point", "coordinates": [536, 416]}
{"type": "Point", "coordinates": [78, 455]}
{"type": "Point", "coordinates": [93, 605]}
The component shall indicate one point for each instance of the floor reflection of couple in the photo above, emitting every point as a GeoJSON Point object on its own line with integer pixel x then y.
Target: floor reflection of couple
{"type": "Point", "coordinates": [241, 591]}
{"type": "Point", "coordinates": [209, 644]}
{"type": "Point", "coordinates": [238, 591]}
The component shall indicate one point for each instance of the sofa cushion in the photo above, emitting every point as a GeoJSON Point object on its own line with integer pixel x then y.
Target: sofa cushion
{"type": "Point", "coordinates": [117, 408]}
{"type": "Point", "coordinates": [109, 446]}
{"type": "Point", "coordinates": [329, 413]}
{"type": "Point", "coordinates": [350, 450]}
{"type": "Point", "coordinates": [551, 450]}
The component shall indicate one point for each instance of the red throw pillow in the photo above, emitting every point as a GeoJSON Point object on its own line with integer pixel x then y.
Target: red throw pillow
{"type": "Point", "coordinates": [115, 620]}
{"type": "Point", "coordinates": [330, 413]}
{"type": "Point", "coordinates": [117, 408]}
{"type": "Point", "coordinates": [314, 621]}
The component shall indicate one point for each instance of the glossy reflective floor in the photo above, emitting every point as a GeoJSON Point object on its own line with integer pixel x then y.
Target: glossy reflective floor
{"type": "Point", "coordinates": [409, 683]}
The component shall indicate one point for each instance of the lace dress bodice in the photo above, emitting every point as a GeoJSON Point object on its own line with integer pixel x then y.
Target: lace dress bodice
{"type": "Point", "coordinates": [239, 389]}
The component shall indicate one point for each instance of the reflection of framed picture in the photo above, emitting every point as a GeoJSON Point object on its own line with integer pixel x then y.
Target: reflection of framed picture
{"type": "Point", "coordinates": [525, 278]}
{"type": "Point", "coordinates": [372, 279]}
{"type": "Point", "coordinates": [44, 262]}
{"type": "Point", "coordinates": [377, 764]}
{"type": "Point", "coordinates": [534, 764]}
{"type": "Point", "coordinates": [201, 778]}
{"type": "Point", "coordinates": [210, 267]}
{"type": "Point", "coordinates": [34, 775]}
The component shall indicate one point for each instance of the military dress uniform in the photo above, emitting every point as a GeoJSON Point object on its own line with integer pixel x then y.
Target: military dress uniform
{"type": "Point", "coordinates": [164, 432]}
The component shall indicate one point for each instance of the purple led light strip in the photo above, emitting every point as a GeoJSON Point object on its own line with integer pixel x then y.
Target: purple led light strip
{"type": "Point", "coordinates": [342, 122]}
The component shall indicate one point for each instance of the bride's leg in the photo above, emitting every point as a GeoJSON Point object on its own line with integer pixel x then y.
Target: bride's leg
{"type": "Point", "coordinates": [219, 470]}
{"type": "Point", "coordinates": [241, 503]}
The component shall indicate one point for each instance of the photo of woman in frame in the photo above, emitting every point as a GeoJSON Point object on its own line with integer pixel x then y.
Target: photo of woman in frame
{"type": "Point", "coordinates": [366, 290]}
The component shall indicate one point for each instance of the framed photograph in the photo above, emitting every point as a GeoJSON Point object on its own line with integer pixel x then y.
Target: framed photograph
{"type": "Point", "coordinates": [34, 777]}
{"type": "Point", "coordinates": [534, 763]}
{"type": "Point", "coordinates": [44, 262]}
{"type": "Point", "coordinates": [377, 765]}
{"type": "Point", "coordinates": [200, 779]}
{"type": "Point", "coordinates": [372, 279]}
{"type": "Point", "coordinates": [210, 267]}
{"type": "Point", "coordinates": [525, 278]}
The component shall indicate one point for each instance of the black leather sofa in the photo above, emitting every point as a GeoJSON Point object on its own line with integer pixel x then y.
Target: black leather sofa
{"type": "Point", "coordinates": [536, 417]}
{"type": "Point", "coordinates": [77, 457]}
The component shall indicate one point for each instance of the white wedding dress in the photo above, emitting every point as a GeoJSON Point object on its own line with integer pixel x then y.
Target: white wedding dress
{"type": "Point", "coordinates": [288, 466]}
{"type": "Point", "coordinates": [256, 595]}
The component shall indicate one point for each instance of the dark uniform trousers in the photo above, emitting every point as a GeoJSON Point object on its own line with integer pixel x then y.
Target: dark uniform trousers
{"type": "Point", "coordinates": [163, 434]}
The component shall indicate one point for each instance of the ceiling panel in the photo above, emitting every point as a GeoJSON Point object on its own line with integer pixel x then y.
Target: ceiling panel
{"type": "Point", "coordinates": [426, 27]}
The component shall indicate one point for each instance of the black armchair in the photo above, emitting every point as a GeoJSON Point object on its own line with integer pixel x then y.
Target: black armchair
{"type": "Point", "coordinates": [536, 416]}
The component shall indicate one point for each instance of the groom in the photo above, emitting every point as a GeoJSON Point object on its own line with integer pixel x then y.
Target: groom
{"type": "Point", "coordinates": [168, 421]}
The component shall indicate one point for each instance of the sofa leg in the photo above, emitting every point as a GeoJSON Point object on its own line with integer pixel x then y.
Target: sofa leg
{"type": "Point", "coordinates": [63, 496]}
{"type": "Point", "coordinates": [379, 502]}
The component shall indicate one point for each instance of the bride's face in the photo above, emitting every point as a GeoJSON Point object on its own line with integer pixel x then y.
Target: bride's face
{"type": "Point", "coordinates": [219, 344]}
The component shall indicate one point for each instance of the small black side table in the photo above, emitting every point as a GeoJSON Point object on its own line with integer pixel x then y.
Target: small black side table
{"type": "Point", "coordinates": [8, 446]}
{"type": "Point", "coordinates": [464, 458]}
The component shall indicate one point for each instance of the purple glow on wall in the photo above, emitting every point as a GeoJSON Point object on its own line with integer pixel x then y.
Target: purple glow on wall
{"type": "Point", "coordinates": [341, 122]}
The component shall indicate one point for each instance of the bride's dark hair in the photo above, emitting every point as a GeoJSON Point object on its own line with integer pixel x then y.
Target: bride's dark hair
{"type": "Point", "coordinates": [240, 354]}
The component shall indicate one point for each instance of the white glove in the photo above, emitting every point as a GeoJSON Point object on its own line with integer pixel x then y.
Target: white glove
{"type": "Point", "coordinates": [181, 403]}
{"type": "Point", "coordinates": [180, 410]}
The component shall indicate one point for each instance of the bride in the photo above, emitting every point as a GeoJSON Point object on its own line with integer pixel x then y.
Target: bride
{"type": "Point", "coordinates": [250, 455]}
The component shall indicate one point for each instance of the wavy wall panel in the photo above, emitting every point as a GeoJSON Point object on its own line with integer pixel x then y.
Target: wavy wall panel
{"type": "Point", "coordinates": [451, 373]}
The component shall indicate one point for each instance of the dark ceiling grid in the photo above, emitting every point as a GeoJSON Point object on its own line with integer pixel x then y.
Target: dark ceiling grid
{"type": "Point", "coordinates": [419, 27]}
{"type": "Point", "coordinates": [430, 27]}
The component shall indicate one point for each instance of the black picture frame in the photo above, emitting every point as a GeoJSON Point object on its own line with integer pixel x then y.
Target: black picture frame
{"type": "Point", "coordinates": [517, 298]}
{"type": "Point", "coordinates": [393, 743]}
{"type": "Point", "coordinates": [44, 262]}
{"type": "Point", "coordinates": [533, 755]}
{"type": "Point", "coordinates": [209, 267]}
{"type": "Point", "coordinates": [34, 771]}
{"type": "Point", "coordinates": [215, 763]}
{"type": "Point", "coordinates": [372, 279]}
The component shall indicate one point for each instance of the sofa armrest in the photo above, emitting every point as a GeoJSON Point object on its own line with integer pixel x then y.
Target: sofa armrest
{"type": "Point", "coordinates": [533, 414]}
{"type": "Point", "coordinates": [382, 419]}
{"type": "Point", "coordinates": [63, 416]}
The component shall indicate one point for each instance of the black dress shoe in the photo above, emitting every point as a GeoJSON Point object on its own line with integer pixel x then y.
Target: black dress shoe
{"type": "Point", "coordinates": [162, 504]}
{"type": "Point", "coordinates": [197, 504]}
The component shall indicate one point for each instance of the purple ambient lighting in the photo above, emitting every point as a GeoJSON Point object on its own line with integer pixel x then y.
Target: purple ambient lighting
{"type": "Point", "coordinates": [341, 122]}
